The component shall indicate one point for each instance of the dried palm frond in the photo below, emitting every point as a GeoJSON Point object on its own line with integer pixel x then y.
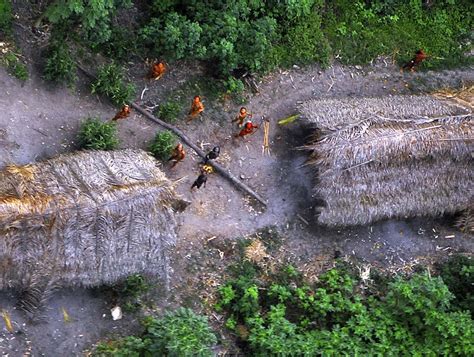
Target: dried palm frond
{"type": "Point", "coordinates": [466, 221]}
{"type": "Point", "coordinates": [386, 144]}
{"type": "Point", "coordinates": [463, 96]}
{"type": "Point", "coordinates": [26, 172]}
{"type": "Point", "coordinates": [256, 252]}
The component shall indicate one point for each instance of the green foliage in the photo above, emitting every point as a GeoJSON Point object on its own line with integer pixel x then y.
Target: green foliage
{"type": "Point", "coordinates": [291, 317]}
{"type": "Point", "coordinates": [5, 16]}
{"type": "Point", "coordinates": [110, 82]}
{"type": "Point", "coordinates": [179, 333]}
{"type": "Point", "coordinates": [305, 43]}
{"type": "Point", "coordinates": [130, 292]}
{"type": "Point", "coordinates": [60, 66]}
{"type": "Point", "coordinates": [234, 35]}
{"type": "Point", "coordinates": [93, 17]}
{"type": "Point", "coordinates": [458, 274]}
{"type": "Point", "coordinates": [174, 36]}
{"type": "Point", "coordinates": [135, 285]}
{"type": "Point", "coordinates": [121, 44]}
{"type": "Point", "coordinates": [95, 134]}
{"type": "Point", "coordinates": [362, 30]}
{"type": "Point", "coordinates": [169, 111]}
{"type": "Point", "coordinates": [127, 347]}
{"type": "Point", "coordinates": [233, 86]}
{"type": "Point", "coordinates": [162, 145]}
{"type": "Point", "coordinates": [15, 66]}
{"type": "Point", "coordinates": [259, 36]}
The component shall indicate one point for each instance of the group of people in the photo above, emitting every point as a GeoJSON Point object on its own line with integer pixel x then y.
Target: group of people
{"type": "Point", "coordinates": [206, 168]}
{"type": "Point", "coordinates": [245, 124]}
{"type": "Point", "coordinates": [243, 119]}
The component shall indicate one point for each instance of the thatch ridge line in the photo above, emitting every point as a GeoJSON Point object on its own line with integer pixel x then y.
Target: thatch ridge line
{"type": "Point", "coordinates": [333, 114]}
{"type": "Point", "coordinates": [85, 187]}
{"type": "Point", "coordinates": [393, 143]}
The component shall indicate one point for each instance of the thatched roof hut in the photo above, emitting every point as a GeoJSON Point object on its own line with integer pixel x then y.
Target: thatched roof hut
{"type": "Point", "coordinates": [386, 157]}
{"type": "Point", "coordinates": [86, 219]}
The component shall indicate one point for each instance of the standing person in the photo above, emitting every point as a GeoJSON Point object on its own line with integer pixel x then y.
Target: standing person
{"type": "Point", "coordinates": [157, 70]}
{"type": "Point", "coordinates": [248, 129]}
{"type": "Point", "coordinates": [123, 113]}
{"type": "Point", "coordinates": [212, 155]}
{"type": "Point", "coordinates": [177, 155]}
{"type": "Point", "coordinates": [420, 56]}
{"type": "Point", "coordinates": [196, 108]}
{"type": "Point", "coordinates": [240, 119]}
{"type": "Point", "coordinates": [201, 180]}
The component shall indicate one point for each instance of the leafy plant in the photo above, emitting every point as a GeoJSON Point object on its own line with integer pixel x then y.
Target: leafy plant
{"type": "Point", "coordinates": [169, 111]}
{"type": "Point", "coordinates": [110, 82]}
{"type": "Point", "coordinates": [5, 16]}
{"type": "Point", "coordinates": [15, 66]}
{"type": "Point", "coordinates": [174, 35]}
{"type": "Point", "coordinates": [233, 86]}
{"type": "Point", "coordinates": [127, 347]}
{"type": "Point", "coordinates": [458, 274]}
{"type": "Point", "coordinates": [93, 17]}
{"type": "Point", "coordinates": [95, 134]}
{"type": "Point", "coordinates": [60, 65]}
{"type": "Point", "coordinates": [131, 290]}
{"type": "Point", "coordinates": [162, 145]}
{"type": "Point", "coordinates": [179, 333]}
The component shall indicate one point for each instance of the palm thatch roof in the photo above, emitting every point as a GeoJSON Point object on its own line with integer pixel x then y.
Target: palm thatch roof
{"type": "Point", "coordinates": [86, 219]}
{"type": "Point", "coordinates": [395, 156]}
{"type": "Point", "coordinates": [429, 186]}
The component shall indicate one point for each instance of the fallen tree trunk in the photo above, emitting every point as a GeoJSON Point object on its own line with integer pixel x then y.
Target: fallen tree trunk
{"type": "Point", "coordinates": [220, 169]}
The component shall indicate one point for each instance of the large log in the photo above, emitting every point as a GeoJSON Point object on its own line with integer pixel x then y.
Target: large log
{"type": "Point", "coordinates": [220, 169]}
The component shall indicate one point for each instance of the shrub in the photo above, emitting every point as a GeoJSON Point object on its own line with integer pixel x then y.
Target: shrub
{"type": "Point", "coordinates": [175, 36]}
{"type": "Point", "coordinates": [163, 144]}
{"type": "Point", "coordinates": [127, 347]}
{"type": "Point", "coordinates": [15, 66]}
{"type": "Point", "coordinates": [92, 17]}
{"type": "Point", "coordinates": [110, 82]}
{"type": "Point", "coordinates": [233, 85]}
{"type": "Point", "coordinates": [5, 16]}
{"type": "Point", "coordinates": [121, 45]}
{"type": "Point", "coordinates": [60, 66]}
{"type": "Point", "coordinates": [458, 274]}
{"type": "Point", "coordinates": [179, 333]}
{"type": "Point", "coordinates": [169, 111]}
{"type": "Point", "coordinates": [130, 292]}
{"type": "Point", "coordinates": [95, 134]}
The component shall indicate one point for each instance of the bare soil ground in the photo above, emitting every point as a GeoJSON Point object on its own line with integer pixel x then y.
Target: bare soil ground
{"type": "Point", "coordinates": [39, 121]}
